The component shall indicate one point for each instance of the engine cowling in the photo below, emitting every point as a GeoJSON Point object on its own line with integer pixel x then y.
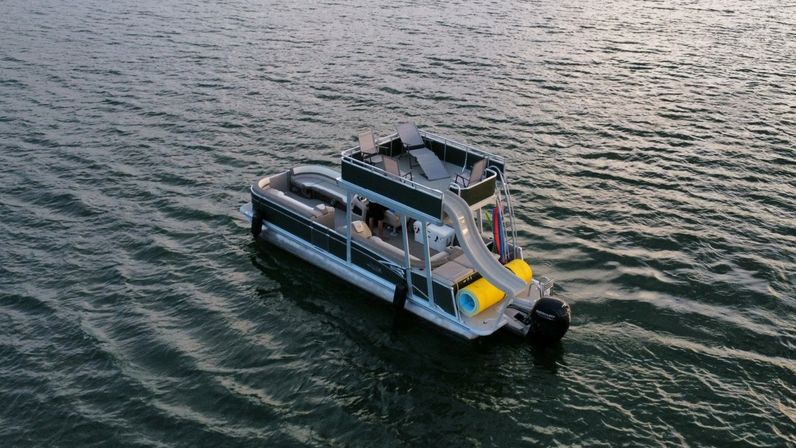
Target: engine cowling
{"type": "Point", "coordinates": [549, 320]}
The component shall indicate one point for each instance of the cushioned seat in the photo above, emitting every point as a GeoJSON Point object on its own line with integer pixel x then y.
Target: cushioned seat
{"type": "Point", "coordinates": [317, 179]}
{"type": "Point", "coordinates": [361, 232]}
{"type": "Point", "coordinates": [323, 187]}
{"type": "Point", "coordinates": [317, 212]}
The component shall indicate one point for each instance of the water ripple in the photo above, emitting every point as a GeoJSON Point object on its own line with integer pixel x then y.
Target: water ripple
{"type": "Point", "coordinates": [652, 152]}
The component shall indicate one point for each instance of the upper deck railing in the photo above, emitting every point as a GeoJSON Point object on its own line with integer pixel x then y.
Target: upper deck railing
{"type": "Point", "coordinates": [348, 156]}
{"type": "Point", "coordinates": [409, 197]}
{"type": "Point", "coordinates": [415, 196]}
{"type": "Point", "coordinates": [494, 159]}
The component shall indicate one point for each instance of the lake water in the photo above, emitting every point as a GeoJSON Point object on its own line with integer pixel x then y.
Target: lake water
{"type": "Point", "coordinates": [651, 147]}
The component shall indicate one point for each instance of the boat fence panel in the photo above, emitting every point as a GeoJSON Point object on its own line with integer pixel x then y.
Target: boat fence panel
{"type": "Point", "coordinates": [411, 194]}
{"type": "Point", "coordinates": [477, 192]}
{"type": "Point", "coordinates": [460, 153]}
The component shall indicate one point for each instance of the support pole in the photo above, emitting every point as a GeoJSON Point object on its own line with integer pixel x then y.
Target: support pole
{"type": "Point", "coordinates": [349, 199]}
{"type": "Point", "coordinates": [427, 256]}
{"type": "Point", "coordinates": [407, 264]}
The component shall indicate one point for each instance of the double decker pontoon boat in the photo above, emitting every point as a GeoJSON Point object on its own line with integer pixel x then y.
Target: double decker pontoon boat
{"type": "Point", "coordinates": [448, 253]}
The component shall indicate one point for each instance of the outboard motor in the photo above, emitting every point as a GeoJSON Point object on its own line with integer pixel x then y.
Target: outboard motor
{"type": "Point", "coordinates": [548, 320]}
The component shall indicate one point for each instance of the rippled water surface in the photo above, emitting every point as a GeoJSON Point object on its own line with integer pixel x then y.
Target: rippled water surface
{"type": "Point", "coordinates": [651, 147]}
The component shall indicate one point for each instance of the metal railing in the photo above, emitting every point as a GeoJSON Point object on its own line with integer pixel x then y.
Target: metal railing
{"type": "Point", "coordinates": [456, 188]}
{"type": "Point", "coordinates": [509, 207]}
{"type": "Point", "coordinates": [348, 156]}
{"type": "Point", "coordinates": [463, 146]}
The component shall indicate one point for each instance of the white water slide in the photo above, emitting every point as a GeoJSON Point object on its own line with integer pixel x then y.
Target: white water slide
{"type": "Point", "coordinates": [473, 245]}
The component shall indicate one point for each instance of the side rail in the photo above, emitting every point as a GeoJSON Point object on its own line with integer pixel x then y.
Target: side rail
{"type": "Point", "coordinates": [509, 208]}
{"type": "Point", "coordinates": [348, 158]}
{"type": "Point", "coordinates": [463, 146]}
{"type": "Point", "coordinates": [404, 195]}
{"type": "Point", "coordinates": [477, 192]}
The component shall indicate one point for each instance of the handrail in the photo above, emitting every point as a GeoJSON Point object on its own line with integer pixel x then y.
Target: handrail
{"type": "Point", "coordinates": [464, 146]}
{"type": "Point", "coordinates": [430, 135]}
{"type": "Point", "coordinates": [459, 188]}
{"type": "Point", "coordinates": [348, 156]}
{"type": "Point", "coordinates": [509, 206]}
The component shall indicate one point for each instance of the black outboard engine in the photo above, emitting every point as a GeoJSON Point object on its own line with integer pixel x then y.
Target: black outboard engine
{"type": "Point", "coordinates": [549, 320]}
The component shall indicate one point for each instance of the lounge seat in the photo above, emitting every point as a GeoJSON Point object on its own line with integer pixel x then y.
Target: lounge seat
{"type": "Point", "coordinates": [369, 148]}
{"type": "Point", "coordinates": [361, 232]}
{"type": "Point", "coordinates": [318, 179]}
{"type": "Point", "coordinates": [475, 175]}
{"type": "Point", "coordinates": [323, 186]}
{"type": "Point", "coordinates": [320, 213]}
{"type": "Point", "coordinates": [413, 143]}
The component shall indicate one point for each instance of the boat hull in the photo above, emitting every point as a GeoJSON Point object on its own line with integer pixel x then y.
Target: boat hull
{"type": "Point", "coordinates": [355, 275]}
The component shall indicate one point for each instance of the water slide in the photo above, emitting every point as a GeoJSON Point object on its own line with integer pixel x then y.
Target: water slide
{"type": "Point", "coordinates": [473, 245]}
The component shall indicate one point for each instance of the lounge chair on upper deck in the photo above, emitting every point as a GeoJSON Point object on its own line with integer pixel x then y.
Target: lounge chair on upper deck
{"type": "Point", "coordinates": [476, 173]}
{"type": "Point", "coordinates": [391, 166]}
{"type": "Point", "coordinates": [410, 136]}
{"type": "Point", "coordinates": [432, 167]}
{"type": "Point", "coordinates": [369, 148]}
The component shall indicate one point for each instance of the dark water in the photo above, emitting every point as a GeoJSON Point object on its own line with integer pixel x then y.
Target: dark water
{"type": "Point", "coordinates": [652, 148]}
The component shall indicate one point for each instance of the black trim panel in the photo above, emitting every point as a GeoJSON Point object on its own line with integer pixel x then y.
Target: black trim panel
{"type": "Point", "coordinates": [397, 191]}
{"type": "Point", "coordinates": [333, 243]}
{"type": "Point", "coordinates": [478, 192]}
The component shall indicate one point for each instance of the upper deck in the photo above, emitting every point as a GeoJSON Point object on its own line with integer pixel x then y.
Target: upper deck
{"type": "Point", "coordinates": [416, 187]}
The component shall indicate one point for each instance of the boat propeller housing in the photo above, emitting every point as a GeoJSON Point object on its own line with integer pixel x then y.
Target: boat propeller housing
{"type": "Point", "coordinates": [549, 320]}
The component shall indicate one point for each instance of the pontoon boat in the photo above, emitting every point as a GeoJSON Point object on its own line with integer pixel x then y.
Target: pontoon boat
{"type": "Point", "coordinates": [448, 249]}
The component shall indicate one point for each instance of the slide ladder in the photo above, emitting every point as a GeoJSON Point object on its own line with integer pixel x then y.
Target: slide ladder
{"type": "Point", "coordinates": [472, 244]}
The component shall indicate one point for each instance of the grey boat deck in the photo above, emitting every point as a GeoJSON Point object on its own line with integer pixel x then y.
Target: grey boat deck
{"type": "Point", "coordinates": [419, 177]}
